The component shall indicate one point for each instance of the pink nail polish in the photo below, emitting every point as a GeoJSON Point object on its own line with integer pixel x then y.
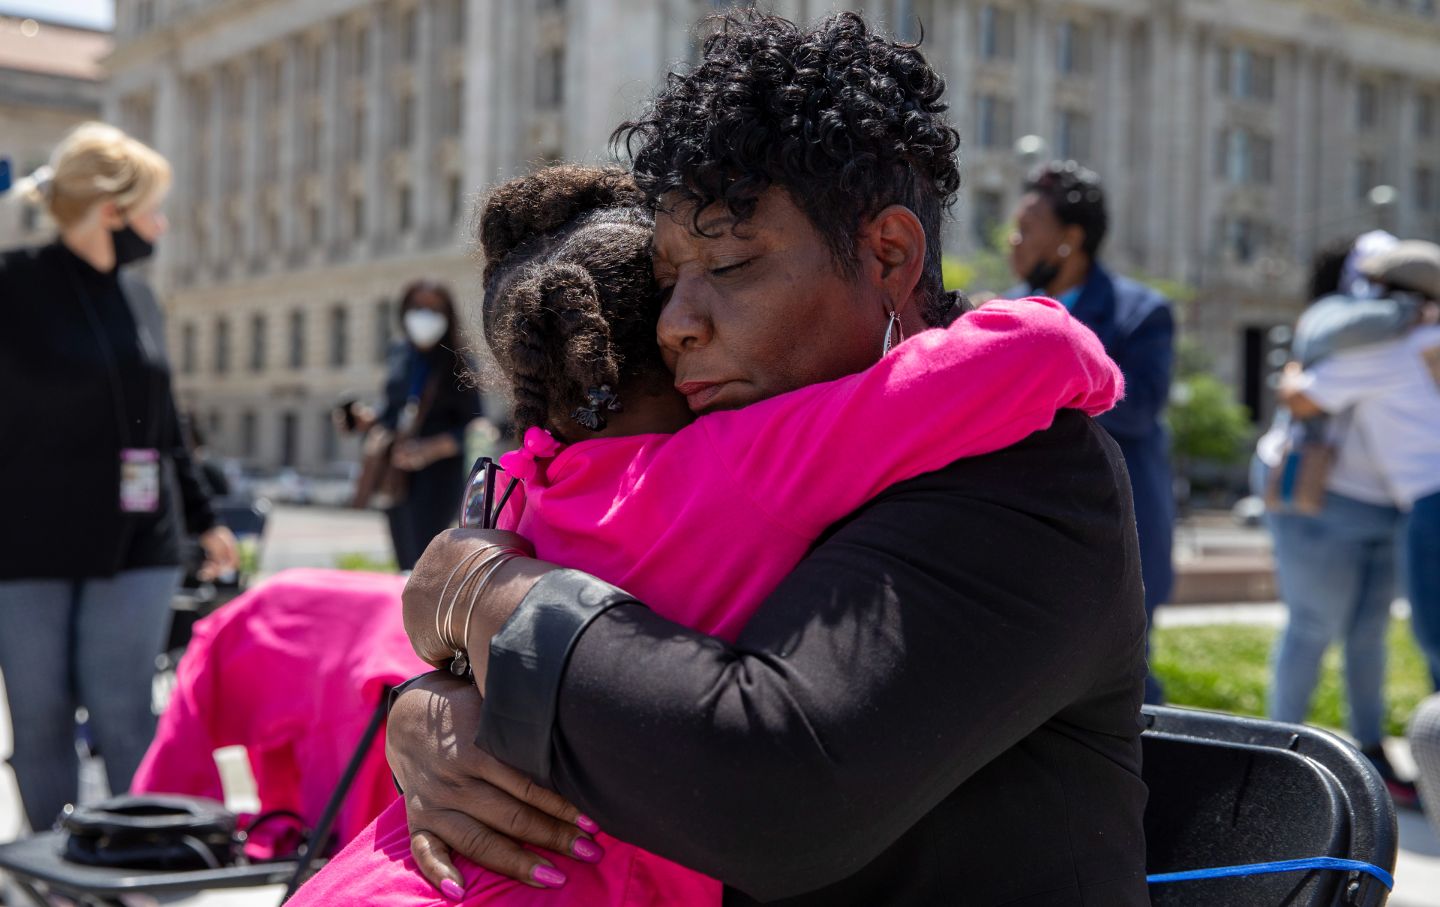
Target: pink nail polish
{"type": "Point", "coordinates": [548, 876]}
{"type": "Point", "coordinates": [451, 890]}
{"type": "Point", "coordinates": [587, 824]}
{"type": "Point", "coordinates": [587, 850]}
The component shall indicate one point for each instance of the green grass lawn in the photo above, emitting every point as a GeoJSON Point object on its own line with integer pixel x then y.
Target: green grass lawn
{"type": "Point", "coordinates": [1226, 667]}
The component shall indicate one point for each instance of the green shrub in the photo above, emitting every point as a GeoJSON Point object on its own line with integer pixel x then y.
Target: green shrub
{"type": "Point", "coordinates": [1226, 668]}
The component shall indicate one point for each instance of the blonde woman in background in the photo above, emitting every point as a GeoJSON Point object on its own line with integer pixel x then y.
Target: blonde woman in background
{"type": "Point", "coordinates": [95, 483]}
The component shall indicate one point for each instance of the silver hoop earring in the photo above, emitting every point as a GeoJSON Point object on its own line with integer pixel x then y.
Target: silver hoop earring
{"type": "Point", "coordinates": [892, 328]}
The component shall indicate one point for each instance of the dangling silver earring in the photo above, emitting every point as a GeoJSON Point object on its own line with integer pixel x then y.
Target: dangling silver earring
{"type": "Point", "coordinates": [892, 328]}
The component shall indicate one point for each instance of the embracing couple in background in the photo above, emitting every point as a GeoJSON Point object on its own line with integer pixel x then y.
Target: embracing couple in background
{"type": "Point", "coordinates": [830, 596]}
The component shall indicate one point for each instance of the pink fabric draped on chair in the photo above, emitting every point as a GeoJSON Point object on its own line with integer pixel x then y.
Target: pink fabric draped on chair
{"type": "Point", "coordinates": [292, 670]}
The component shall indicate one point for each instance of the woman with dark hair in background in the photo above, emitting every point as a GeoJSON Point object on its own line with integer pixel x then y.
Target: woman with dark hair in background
{"type": "Point", "coordinates": [413, 463]}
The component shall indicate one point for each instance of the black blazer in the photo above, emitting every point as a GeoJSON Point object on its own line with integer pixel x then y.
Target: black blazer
{"type": "Point", "coordinates": [67, 333]}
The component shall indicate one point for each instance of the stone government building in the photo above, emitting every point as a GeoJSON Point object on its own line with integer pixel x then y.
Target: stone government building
{"type": "Point", "coordinates": [328, 151]}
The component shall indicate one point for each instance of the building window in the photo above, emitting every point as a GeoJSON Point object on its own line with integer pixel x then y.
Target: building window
{"type": "Point", "coordinates": [360, 51]}
{"type": "Point", "coordinates": [1247, 75]}
{"type": "Point", "coordinates": [1076, 51]}
{"type": "Point", "coordinates": [550, 79]}
{"type": "Point", "coordinates": [289, 439]}
{"type": "Point", "coordinates": [248, 434]}
{"type": "Point", "coordinates": [1367, 177]}
{"type": "Point", "coordinates": [1425, 190]}
{"type": "Point", "coordinates": [1425, 116]}
{"type": "Point", "coordinates": [997, 122]}
{"type": "Point", "coordinates": [313, 69]}
{"type": "Point", "coordinates": [357, 133]}
{"type": "Point", "coordinates": [455, 193]}
{"type": "Point", "coordinates": [314, 224]}
{"type": "Point", "coordinates": [329, 438]}
{"type": "Point", "coordinates": [403, 203]}
{"type": "Point", "coordinates": [989, 210]}
{"type": "Point", "coordinates": [384, 325]}
{"type": "Point", "coordinates": [314, 137]}
{"type": "Point", "coordinates": [409, 35]}
{"type": "Point", "coordinates": [1245, 158]}
{"type": "Point", "coordinates": [297, 339]}
{"type": "Point", "coordinates": [1073, 136]}
{"type": "Point", "coordinates": [339, 336]}
{"type": "Point", "coordinates": [222, 346]}
{"type": "Point", "coordinates": [257, 343]}
{"type": "Point", "coordinates": [357, 216]}
{"type": "Point", "coordinates": [455, 21]}
{"type": "Point", "coordinates": [1367, 105]}
{"type": "Point", "coordinates": [454, 107]}
{"type": "Point", "coordinates": [405, 121]}
{"type": "Point", "coordinates": [1245, 238]}
{"type": "Point", "coordinates": [997, 33]}
{"type": "Point", "coordinates": [187, 349]}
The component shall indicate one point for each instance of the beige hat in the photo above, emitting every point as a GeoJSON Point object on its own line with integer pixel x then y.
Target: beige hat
{"type": "Point", "coordinates": [1412, 265]}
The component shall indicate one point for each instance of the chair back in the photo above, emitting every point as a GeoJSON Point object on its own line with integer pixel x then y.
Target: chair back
{"type": "Point", "coordinates": [1227, 790]}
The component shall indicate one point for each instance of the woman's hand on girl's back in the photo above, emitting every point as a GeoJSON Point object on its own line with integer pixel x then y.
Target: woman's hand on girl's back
{"type": "Point", "coordinates": [458, 797]}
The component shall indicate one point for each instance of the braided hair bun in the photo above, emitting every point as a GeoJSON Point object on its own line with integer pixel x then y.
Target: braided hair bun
{"type": "Point", "coordinates": [570, 299]}
{"type": "Point", "coordinates": [524, 211]}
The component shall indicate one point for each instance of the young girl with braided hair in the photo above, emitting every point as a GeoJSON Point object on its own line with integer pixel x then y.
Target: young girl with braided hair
{"type": "Point", "coordinates": [620, 482]}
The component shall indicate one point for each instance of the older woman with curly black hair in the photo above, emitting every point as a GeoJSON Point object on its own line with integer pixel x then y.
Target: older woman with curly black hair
{"type": "Point", "coordinates": [939, 704]}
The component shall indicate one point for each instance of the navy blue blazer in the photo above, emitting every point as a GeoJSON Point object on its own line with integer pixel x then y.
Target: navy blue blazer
{"type": "Point", "coordinates": [1137, 326]}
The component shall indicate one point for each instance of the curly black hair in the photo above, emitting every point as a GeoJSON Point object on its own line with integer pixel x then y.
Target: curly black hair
{"type": "Point", "coordinates": [1076, 196]}
{"type": "Point", "coordinates": [570, 297]}
{"type": "Point", "coordinates": [845, 120]}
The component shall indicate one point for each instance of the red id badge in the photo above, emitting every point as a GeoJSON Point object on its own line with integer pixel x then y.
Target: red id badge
{"type": "Point", "coordinates": [139, 480]}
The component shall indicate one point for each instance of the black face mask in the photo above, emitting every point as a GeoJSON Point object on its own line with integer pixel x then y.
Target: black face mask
{"type": "Point", "coordinates": [1042, 275]}
{"type": "Point", "coordinates": [130, 246]}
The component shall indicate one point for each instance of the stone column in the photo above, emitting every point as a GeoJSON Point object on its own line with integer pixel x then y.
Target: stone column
{"type": "Point", "coordinates": [377, 128]}
{"type": "Point", "coordinates": [215, 174]}
{"type": "Point", "coordinates": [960, 56]}
{"type": "Point", "coordinates": [425, 173]}
{"type": "Point", "coordinates": [253, 137]}
{"type": "Point", "coordinates": [1404, 216]}
{"type": "Point", "coordinates": [332, 198]}
{"type": "Point", "coordinates": [1335, 162]}
{"type": "Point", "coordinates": [1159, 178]}
{"type": "Point", "coordinates": [1301, 146]}
{"type": "Point", "coordinates": [1035, 107]}
{"type": "Point", "coordinates": [479, 126]}
{"type": "Point", "coordinates": [1193, 263]}
{"type": "Point", "coordinates": [1112, 60]}
{"type": "Point", "coordinates": [292, 130]}
{"type": "Point", "coordinates": [170, 119]}
{"type": "Point", "coordinates": [1184, 197]}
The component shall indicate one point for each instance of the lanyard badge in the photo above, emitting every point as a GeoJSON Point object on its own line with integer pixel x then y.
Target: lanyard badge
{"type": "Point", "coordinates": [139, 480]}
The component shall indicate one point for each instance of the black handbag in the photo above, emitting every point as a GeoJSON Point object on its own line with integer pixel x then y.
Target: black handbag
{"type": "Point", "coordinates": [151, 831]}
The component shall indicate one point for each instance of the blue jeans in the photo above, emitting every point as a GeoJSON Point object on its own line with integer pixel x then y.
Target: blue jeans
{"type": "Point", "coordinates": [1422, 549]}
{"type": "Point", "coordinates": [91, 643]}
{"type": "Point", "coordinates": [1337, 576]}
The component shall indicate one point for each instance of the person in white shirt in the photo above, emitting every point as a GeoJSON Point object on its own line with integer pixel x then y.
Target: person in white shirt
{"type": "Point", "coordinates": [1335, 534]}
{"type": "Point", "coordinates": [1389, 393]}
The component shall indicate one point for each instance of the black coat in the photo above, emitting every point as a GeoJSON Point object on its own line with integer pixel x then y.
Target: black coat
{"type": "Point", "coordinates": [67, 333]}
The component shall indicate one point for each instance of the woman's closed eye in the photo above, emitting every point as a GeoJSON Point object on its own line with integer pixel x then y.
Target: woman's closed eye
{"type": "Point", "coordinates": [730, 269]}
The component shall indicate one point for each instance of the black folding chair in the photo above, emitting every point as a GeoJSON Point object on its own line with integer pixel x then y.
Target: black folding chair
{"type": "Point", "coordinates": [1229, 791]}
{"type": "Point", "coordinates": [37, 866]}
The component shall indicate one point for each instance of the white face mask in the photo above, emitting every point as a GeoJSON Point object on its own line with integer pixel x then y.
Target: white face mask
{"type": "Point", "coordinates": [425, 328]}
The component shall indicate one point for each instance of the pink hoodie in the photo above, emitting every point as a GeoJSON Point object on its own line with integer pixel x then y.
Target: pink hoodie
{"type": "Point", "coordinates": [701, 525]}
